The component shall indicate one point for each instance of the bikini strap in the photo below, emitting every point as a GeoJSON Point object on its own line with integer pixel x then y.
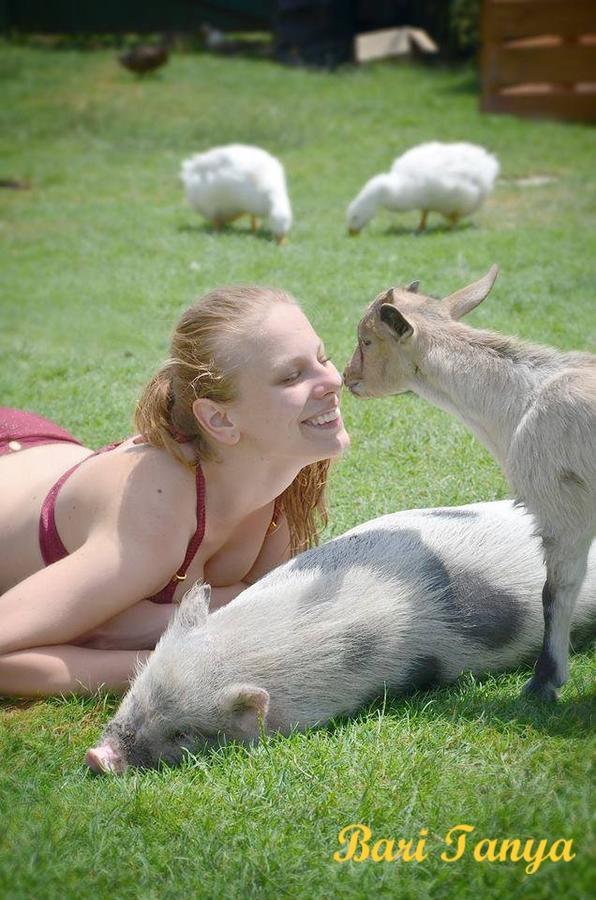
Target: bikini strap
{"type": "Point", "coordinates": [166, 595]}
{"type": "Point", "coordinates": [197, 537]}
{"type": "Point", "coordinates": [50, 542]}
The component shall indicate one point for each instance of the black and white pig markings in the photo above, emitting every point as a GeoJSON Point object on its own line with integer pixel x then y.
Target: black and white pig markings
{"type": "Point", "coordinates": [402, 602]}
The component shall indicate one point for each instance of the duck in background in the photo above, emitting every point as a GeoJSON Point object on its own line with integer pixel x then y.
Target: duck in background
{"type": "Point", "coordinates": [228, 182]}
{"type": "Point", "coordinates": [144, 58]}
{"type": "Point", "coordinates": [451, 179]}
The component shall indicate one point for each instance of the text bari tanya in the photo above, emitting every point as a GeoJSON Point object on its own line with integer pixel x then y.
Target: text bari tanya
{"type": "Point", "coordinates": [358, 844]}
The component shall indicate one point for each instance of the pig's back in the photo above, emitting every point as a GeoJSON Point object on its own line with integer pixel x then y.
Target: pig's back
{"type": "Point", "coordinates": [404, 600]}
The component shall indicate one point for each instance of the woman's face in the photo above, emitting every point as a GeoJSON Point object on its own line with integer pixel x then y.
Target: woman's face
{"type": "Point", "coordinates": [288, 391]}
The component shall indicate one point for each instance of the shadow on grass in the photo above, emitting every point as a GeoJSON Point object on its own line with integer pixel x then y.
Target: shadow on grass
{"type": "Point", "coordinates": [469, 84]}
{"type": "Point", "coordinates": [440, 228]}
{"type": "Point", "coordinates": [567, 718]}
{"type": "Point", "coordinates": [226, 231]}
{"type": "Point", "coordinates": [11, 704]}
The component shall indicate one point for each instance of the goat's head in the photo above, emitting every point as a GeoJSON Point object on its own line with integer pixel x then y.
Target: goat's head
{"type": "Point", "coordinates": [397, 330]}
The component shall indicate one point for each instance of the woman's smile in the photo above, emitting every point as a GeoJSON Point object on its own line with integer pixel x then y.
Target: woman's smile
{"type": "Point", "coordinates": [329, 420]}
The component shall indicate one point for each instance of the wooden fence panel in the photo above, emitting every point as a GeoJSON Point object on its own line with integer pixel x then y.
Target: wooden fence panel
{"type": "Point", "coordinates": [539, 58]}
{"type": "Point", "coordinates": [570, 106]}
{"type": "Point", "coordinates": [508, 19]}
{"type": "Point", "coordinates": [570, 63]}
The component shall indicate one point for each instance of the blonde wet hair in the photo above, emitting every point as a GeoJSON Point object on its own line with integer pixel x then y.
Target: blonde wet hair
{"type": "Point", "coordinates": [197, 367]}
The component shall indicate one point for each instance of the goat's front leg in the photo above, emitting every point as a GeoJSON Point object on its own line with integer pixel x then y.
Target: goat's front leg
{"type": "Point", "coordinates": [563, 582]}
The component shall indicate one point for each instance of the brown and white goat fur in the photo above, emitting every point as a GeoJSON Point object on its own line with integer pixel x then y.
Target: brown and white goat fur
{"type": "Point", "coordinates": [533, 407]}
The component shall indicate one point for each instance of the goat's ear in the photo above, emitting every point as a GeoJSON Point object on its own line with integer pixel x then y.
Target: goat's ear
{"type": "Point", "coordinates": [413, 287]}
{"type": "Point", "coordinates": [391, 316]}
{"type": "Point", "coordinates": [466, 299]}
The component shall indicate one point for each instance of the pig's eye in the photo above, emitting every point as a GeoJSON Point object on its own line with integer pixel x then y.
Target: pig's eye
{"type": "Point", "coordinates": [176, 737]}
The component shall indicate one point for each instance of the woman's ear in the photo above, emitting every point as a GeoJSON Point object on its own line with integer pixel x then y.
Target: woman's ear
{"type": "Point", "coordinates": [215, 421]}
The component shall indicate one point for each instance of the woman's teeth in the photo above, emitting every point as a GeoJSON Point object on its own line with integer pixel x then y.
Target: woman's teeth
{"type": "Point", "coordinates": [330, 416]}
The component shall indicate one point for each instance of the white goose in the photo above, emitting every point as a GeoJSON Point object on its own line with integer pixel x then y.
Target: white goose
{"type": "Point", "coordinates": [227, 182]}
{"type": "Point", "coordinates": [451, 179]}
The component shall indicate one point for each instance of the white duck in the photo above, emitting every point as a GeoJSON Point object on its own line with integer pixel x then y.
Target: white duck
{"type": "Point", "coordinates": [227, 182]}
{"type": "Point", "coordinates": [451, 179]}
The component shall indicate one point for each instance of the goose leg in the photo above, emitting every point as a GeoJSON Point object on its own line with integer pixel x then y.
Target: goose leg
{"type": "Point", "coordinates": [219, 221]}
{"type": "Point", "coordinates": [422, 223]}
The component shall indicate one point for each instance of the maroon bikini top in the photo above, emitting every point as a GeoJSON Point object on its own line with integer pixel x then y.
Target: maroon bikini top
{"type": "Point", "coordinates": [52, 548]}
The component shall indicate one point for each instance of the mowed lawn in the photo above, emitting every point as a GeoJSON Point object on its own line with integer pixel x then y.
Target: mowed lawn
{"type": "Point", "coordinates": [99, 257]}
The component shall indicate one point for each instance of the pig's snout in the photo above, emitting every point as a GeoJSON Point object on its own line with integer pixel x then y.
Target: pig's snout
{"type": "Point", "coordinates": [105, 758]}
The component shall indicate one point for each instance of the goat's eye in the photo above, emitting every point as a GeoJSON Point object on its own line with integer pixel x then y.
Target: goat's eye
{"type": "Point", "coordinates": [366, 342]}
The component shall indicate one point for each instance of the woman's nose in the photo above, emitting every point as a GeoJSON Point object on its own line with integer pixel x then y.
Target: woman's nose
{"type": "Point", "coordinates": [330, 382]}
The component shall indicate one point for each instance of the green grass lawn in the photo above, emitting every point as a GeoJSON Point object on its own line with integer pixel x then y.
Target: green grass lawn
{"type": "Point", "coordinates": [99, 257]}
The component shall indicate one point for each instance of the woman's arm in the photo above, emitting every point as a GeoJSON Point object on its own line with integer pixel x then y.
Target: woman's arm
{"type": "Point", "coordinates": [141, 626]}
{"type": "Point", "coordinates": [75, 595]}
{"type": "Point", "coordinates": [137, 628]}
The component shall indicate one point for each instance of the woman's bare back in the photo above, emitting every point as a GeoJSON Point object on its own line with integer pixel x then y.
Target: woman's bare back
{"type": "Point", "coordinates": [26, 476]}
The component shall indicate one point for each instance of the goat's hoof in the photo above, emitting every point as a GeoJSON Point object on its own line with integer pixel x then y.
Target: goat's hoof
{"type": "Point", "coordinates": [537, 689]}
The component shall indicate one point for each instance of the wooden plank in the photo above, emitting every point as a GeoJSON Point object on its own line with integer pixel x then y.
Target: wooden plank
{"type": "Point", "coordinates": [508, 19]}
{"type": "Point", "coordinates": [564, 63]}
{"type": "Point", "coordinates": [570, 106]}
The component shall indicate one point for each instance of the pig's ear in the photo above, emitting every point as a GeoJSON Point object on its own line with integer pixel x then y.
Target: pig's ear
{"type": "Point", "coordinates": [245, 707]}
{"type": "Point", "coordinates": [194, 606]}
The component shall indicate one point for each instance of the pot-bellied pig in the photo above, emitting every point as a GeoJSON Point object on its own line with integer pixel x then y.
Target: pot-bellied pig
{"type": "Point", "coordinates": [402, 602]}
{"type": "Point", "coordinates": [533, 407]}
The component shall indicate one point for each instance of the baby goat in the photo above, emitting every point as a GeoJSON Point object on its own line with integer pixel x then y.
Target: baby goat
{"type": "Point", "coordinates": [533, 407]}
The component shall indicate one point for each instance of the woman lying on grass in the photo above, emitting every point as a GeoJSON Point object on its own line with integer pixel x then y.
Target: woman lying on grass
{"type": "Point", "coordinates": [224, 481]}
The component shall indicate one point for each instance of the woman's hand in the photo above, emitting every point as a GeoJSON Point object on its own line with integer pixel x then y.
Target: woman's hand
{"type": "Point", "coordinates": [137, 628]}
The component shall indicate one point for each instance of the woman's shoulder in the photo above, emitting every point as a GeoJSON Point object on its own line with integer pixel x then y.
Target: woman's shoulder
{"type": "Point", "coordinates": [140, 488]}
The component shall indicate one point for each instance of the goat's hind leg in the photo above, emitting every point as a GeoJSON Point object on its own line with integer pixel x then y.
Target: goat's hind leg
{"type": "Point", "coordinates": [564, 577]}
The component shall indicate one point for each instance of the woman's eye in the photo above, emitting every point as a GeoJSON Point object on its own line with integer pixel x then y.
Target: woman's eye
{"type": "Point", "coordinates": [324, 361]}
{"type": "Point", "coordinates": [290, 378]}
